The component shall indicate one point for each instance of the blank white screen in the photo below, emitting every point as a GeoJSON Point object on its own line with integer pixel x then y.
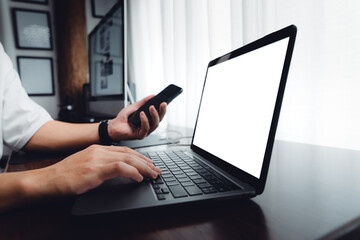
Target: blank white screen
{"type": "Point", "coordinates": [238, 104]}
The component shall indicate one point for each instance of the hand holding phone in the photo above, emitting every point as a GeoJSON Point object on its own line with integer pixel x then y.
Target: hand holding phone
{"type": "Point", "coordinates": [166, 95]}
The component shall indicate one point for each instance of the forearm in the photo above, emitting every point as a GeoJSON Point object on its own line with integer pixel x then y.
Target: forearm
{"type": "Point", "coordinates": [24, 188]}
{"type": "Point", "coordinates": [11, 191]}
{"type": "Point", "coordinates": [15, 190]}
{"type": "Point", "coordinates": [60, 136]}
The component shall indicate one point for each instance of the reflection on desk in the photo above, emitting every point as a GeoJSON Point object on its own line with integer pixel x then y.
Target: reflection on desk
{"type": "Point", "coordinates": [312, 192]}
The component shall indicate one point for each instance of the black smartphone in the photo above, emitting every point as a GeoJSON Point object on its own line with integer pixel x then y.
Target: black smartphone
{"type": "Point", "coordinates": [166, 95]}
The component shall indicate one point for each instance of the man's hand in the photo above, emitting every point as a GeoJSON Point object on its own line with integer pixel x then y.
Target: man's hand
{"type": "Point", "coordinates": [76, 174]}
{"type": "Point", "coordinates": [120, 129]}
{"type": "Point", "coordinates": [89, 168]}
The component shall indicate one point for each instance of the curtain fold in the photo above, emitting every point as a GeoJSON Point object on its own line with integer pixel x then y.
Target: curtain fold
{"type": "Point", "coordinates": [172, 41]}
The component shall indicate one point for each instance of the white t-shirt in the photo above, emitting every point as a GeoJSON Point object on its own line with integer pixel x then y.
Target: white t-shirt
{"type": "Point", "coordinates": [20, 117]}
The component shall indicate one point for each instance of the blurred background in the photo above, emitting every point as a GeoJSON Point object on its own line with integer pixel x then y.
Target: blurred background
{"type": "Point", "coordinates": [172, 41]}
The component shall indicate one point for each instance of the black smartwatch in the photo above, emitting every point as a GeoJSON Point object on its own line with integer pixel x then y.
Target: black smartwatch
{"type": "Point", "coordinates": [104, 134]}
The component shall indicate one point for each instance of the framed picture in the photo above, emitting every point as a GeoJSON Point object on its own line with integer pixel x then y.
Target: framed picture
{"type": "Point", "coordinates": [109, 40]}
{"type": "Point", "coordinates": [36, 74]}
{"type": "Point", "coordinates": [101, 7]}
{"type": "Point", "coordinates": [32, 29]}
{"type": "Point", "coordinates": [33, 1]}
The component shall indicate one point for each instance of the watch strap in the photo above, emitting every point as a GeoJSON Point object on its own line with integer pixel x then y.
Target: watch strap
{"type": "Point", "coordinates": [104, 134]}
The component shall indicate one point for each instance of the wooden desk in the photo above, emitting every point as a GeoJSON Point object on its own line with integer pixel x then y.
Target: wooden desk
{"type": "Point", "coordinates": [312, 192]}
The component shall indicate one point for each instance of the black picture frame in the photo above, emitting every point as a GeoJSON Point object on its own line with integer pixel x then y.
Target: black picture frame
{"type": "Point", "coordinates": [43, 2]}
{"type": "Point", "coordinates": [37, 75]}
{"type": "Point", "coordinates": [99, 8]}
{"type": "Point", "coordinates": [32, 29]}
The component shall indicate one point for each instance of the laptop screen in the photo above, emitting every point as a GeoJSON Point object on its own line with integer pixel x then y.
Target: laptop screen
{"type": "Point", "coordinates": [237, 106]}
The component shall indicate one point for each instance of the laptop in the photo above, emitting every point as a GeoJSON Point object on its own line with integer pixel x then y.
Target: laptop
{"type": "Point", "coordinates": [232, 141]}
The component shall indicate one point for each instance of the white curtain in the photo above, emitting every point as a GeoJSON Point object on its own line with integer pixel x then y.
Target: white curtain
{"type": "Point", "coordinates": [171, 41]}
{"type": "Point", "coordinates": [322, 100]}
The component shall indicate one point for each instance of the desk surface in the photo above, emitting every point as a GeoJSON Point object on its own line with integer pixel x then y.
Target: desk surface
{"type": "Point", "coordinates": [312, 192]}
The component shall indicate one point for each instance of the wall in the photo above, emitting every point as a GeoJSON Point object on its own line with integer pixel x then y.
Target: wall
{"type": "Point", "coordinates": [50, 103]}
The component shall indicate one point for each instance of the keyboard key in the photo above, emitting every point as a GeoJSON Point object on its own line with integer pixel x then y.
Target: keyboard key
{"type": "Point", "coordinates": [209, 177]}
{"type": "Point", "coordinates": [202, 171]}
{"type": "Point", "coordinates": [158, 191]}
{"type": "Point", "coordinates": [181, 165]}
{"type": "Point", "coordinates": [198, 168]}
{"type": "Point", "coordinates": [203, 185]}
{"type": "Point", "coordinates": [172, 183]}
{"type": "Point", "coordinates": [161, 196]}
{"type": "Point", "coordinates": [180, 175]}
{"type": "Point", "coordinates": [186, 168]}
{"type": "Point", "coordinates": [173, 169]}
{"type": "Point", "coordinates": [157, 181]}
{"type": "Point", "coordinates": [156, 186]}
{"type": "Point", "coordinates": [185, 179]}
{"type": "Point", "coordinates": [190, 161]}
{"type": "Point", "coordinates": [192, 173]}
{"type": "Point", "coordinates": [200, 180]}
{"type": "Point", "coordinates": [166, 175]}
{"type": "Point", "coordinates": [204, 174]}
{"type": "Point", "coordinates": [169, 179]}
{"type": "Point", "coordinates": [209, 190]}
{"type": "Point", "coordinates": [177, 172]}
{"type": "Point", "coordinates": [193, 190]}
{"type": "Point", "coordinates": [194, 165]}
{"type": "Point", "coordinates": [193, 177]}
{"type": "Point", "coordinates": [165, 190]}
{"type": "Point", "coordinates": [188, 183]}
{"type": "Point", "coordinates": [178, 191]}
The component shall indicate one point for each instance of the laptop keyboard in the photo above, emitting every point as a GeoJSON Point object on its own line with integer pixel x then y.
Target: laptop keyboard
{"type": "Point", "coordinates": [183, 176]}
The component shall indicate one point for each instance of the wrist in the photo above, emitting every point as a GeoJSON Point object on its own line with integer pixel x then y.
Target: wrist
{"type": "Point", "coordinates": [110, 129]}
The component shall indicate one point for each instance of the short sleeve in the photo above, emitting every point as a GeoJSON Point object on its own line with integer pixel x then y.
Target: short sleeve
{"type": "Point", "coordinates": [21, 116]}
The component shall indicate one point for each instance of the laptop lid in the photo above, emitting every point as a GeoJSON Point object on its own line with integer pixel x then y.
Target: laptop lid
{"type": "Point", "coordinates": [240, 107]}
